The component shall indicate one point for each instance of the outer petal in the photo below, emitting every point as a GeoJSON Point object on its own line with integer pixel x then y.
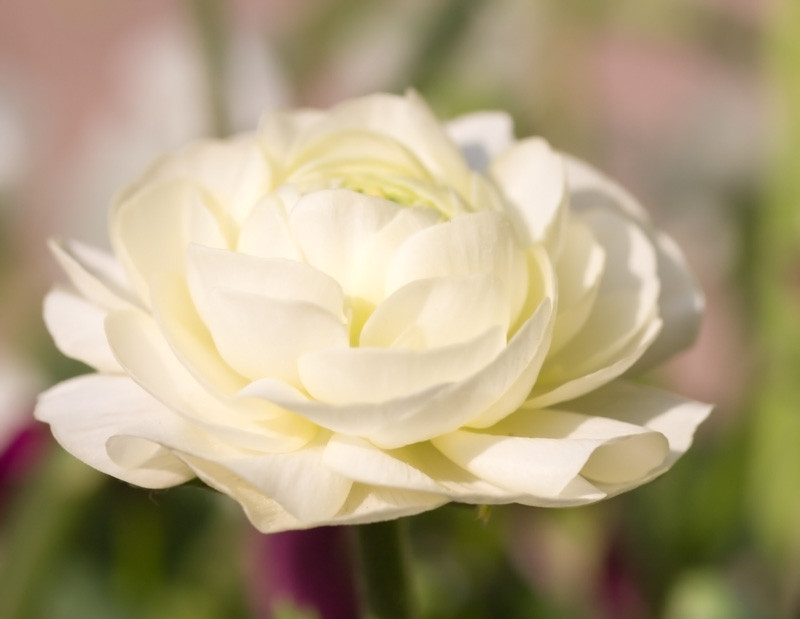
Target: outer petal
{"type": "Point", "coordinates": [579, 271]}
{"type": "Point", "coordinates": [86, 412]}
{"type": "Point", "coordinates": [266, 231]}
{"type": "Point", "coordinates": [586, 379]}
{"type": "Point", "coordinates": [235, 172]}
{"type": "Point", "coordinates": [95, 274]}
{"type": "Point", "coordinates": [362, 461]}
{"type": "Point", "coordinates": [681, 301]}
{"type": "Point", "coordinates": [279, 132]}
{"type": "Point", "coordinates": [628, 292]}
{"type": "Point", "coordinates": [623, 319]}
{"type": "Point", "coordinates": [482, 136]}
{"type": "Point", "coordinates": [147, 358]}
{"type": "Point", "coordinates": [77, 329]}
{"type": "Point", "coordinates": [673, 416]}
{"type": "Point", "coordinates": [541, 453]}
{"type": "Point", "coordinates": [189, 338]}
{"type": "Point", "coordinates": [533, 179]}
{"type": "Point", "coordinates": [370, 504]}
{"type": "Point", "coordinates": [125, 443]}
{"type": "Point", "coordinates": [362, 503]}
{"type": "Point", "coordinates": [297, 480]}
{"type": "Point", "coordinates": [419, 467]}
{"type": "Point", "coordinates": [266, 514]}
{"type": "Point", "coordinates": [151, 230]}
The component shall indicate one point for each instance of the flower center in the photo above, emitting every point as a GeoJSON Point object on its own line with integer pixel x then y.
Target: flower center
{"type": "Point", "coordinates": [358, 310]}
{"type": "Point", "coordinates": [386, 189]}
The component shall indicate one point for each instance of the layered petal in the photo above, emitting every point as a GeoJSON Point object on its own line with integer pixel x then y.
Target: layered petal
{"type": "Point", "coordinates": [587, 379]}
{"type": "Point", "coordinates": [148, 359]}
{"type": "Point", "coordinates": [352, 237]}
{"type": "Point", "coordinates": [675, 417]}
{"type": "Point", "coordinates": [95, 274]}
{"type": "Point", "coordinates": [151, 231]}
{"type": "Point", "coordinates": [681, 301]}
{"type": "Point", "coordinates": [117, 404]}
{"type": "Point", "coordinates": [280, 131]}
{"type": "Point", "coordinates": [423, 415]}
{"type": "Point", "coordinates": [623, 320]}
{"type": "Point", "coordinates": [482, 136]}
{"type": "Point", "coordinates": [351, 153]}
{"type": "Point", "coordinates": [77, 327]}
{"type": "Point", "coordinates": [277, 278]}
{"type": "Point", "coordinates": [266, 231]}
{"type": "Point", "coordinates": [541, 453]}
{"type": "Point", "coordinates": [187, 335]}
{"type": "Point", "coordinates": [579, 271]}
{"type": "Point", "coordinates": [438, 311]}
{"type": "Point", "coordinates": [482, 242]}
{"type": "Point", "coordinates": [234, 172]}
{"type": "Point", "coordinates": [533, 179]}
{"type": "Point", "coordinates": [261, 336]}
{"type": "Point", "coordinates": [417, 468]}
{"type": "Point", "coordinates": [353, 375]}
{"type": "Point", "coordinates": [407, 120]}
{"type": "Point", "coordinates": [298, 480]}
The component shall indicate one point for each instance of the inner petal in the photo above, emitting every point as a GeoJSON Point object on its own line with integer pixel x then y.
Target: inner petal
{"type": "Point", "coordinates": [579, 269]}
{"type": "Point", "coordinates": [344, 149]}
{"type": "Point", "coordinates": [152, 230]}
{"type": "Point", "coordinates": [263, 337]}
{"type": "Point", "coordinates": [266, 231]}
{"type": "Point", "coordinates": [351, 236]}
{"type": "Point", "coordinates": [533, 179]}
{"type": "Point", "coordinates": [407, 120]}
{"type": "Point", "coordinates": [277, 278]}
{"type": "Point", "coordinates": [437, 312]}
{"type": "Point", "coordinates": [626, 301]}
{"type": "Point", "coordinates": [473, 243]}
{"type": "Point", "coordinates": [350, 375]}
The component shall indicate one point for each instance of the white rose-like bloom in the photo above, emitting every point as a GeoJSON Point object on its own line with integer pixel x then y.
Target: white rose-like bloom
{"type": "Point", "coordinates": [360, 314]}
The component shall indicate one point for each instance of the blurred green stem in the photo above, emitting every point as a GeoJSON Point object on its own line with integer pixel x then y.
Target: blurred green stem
{"type": "Point", "coordinates": [438, 43]}
{"type": "Point", "coordinates": [212, 28]}
{"type": "Point", "coordinates": [42, 521]}
{"type": "Point", "coordinates": [383, 563]}
{"type": "Point", "coordinates": [775, 464]}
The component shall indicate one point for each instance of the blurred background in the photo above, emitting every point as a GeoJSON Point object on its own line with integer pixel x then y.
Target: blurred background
{"type": "Point", "coordinates": [694, 105]}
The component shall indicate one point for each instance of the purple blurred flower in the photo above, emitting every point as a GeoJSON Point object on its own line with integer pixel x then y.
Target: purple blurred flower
{"type": "Point", "coordinates": [312, 569]}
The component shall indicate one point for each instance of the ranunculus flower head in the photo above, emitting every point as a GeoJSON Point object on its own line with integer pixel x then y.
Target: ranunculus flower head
{"type": "Point", "coordinates": [359, 314]}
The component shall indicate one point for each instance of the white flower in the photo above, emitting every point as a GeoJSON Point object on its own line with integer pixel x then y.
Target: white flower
{"type": "Point", "coordinates": [361, 314]}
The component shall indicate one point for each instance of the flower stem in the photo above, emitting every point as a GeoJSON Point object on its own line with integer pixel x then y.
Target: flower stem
{"type": "Point", "coordinates": [382, 553]}
{"type": "Point", "coordinates": [211, 22]}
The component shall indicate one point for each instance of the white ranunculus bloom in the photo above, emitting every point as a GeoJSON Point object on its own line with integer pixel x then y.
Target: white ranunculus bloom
{"type": "Point", "coordinates": [361, 314]}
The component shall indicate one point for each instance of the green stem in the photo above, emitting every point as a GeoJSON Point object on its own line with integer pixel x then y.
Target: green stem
{"type": "Point", "coordinates": [212, 27]}
{"type": "Point", "coordinates": [383, 563]}
{"type": "Point", "coordinates": [438, 43]}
